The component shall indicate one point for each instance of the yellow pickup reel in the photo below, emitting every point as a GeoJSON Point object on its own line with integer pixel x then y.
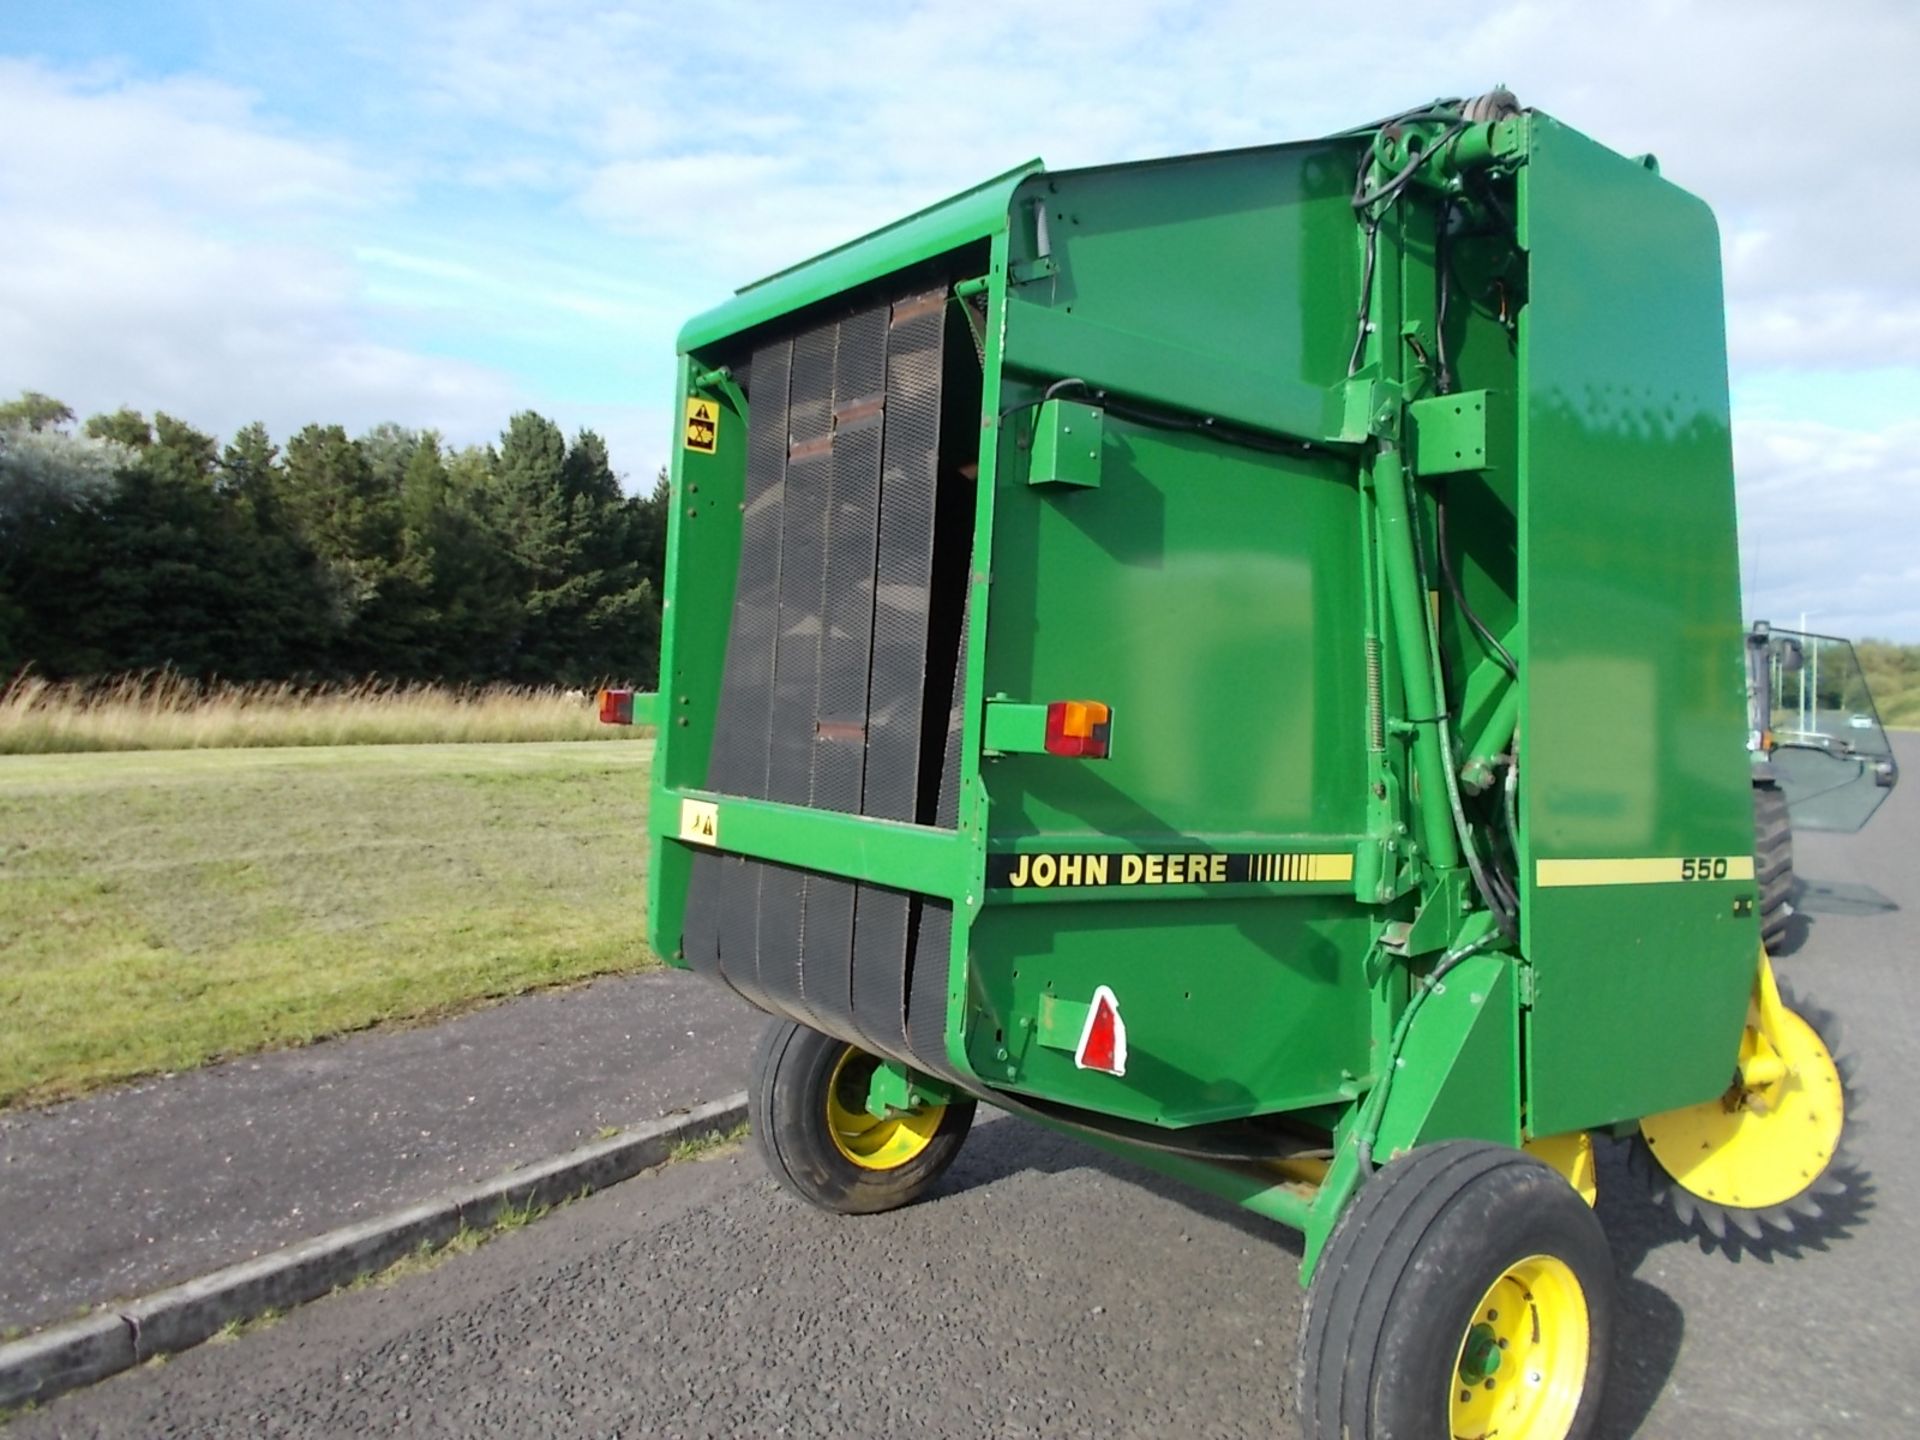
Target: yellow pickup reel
{"type": "Point", "coordinates": [1764, 1153]}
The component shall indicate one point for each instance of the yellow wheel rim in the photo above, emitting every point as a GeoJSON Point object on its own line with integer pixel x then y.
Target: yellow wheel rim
{"type": "Point", "coordinates": [1522, 1364]}
{"type": "Point", "coordinates": [1760, 1144]}
{"type": "Point", "coordinates": [864, 1138]}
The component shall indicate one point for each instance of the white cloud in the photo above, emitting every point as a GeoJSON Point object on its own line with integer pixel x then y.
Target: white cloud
{"type": "Point", "coordinates": [160, 247]}
{"type": "Point", "coordinates": [745, 137]}
{"type": "Point", "coordinates": [181, 243]}
{"type": "Point", "coordinates": [102, 144]}
{"type": "Point", "coordinates": [1827, 526]}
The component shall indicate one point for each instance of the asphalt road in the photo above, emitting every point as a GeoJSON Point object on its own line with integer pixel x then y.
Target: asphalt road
{"type": "Point", "coordinates": [181, 1174]}
{"type": "Point", "coordinates": [1048, 1290]}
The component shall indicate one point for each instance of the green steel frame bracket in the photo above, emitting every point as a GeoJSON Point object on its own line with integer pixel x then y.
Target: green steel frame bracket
{"type": "Point", "coordinates": [1452, 1073]}
{"type": "Point", "coordinates": [1040, 266]}
{"type": "Point", "coordinates": [1490, 143]}
{"type": "Point", "coordinates": [720, 380]}
{"type": "Point", "coordinates": [896, 1090]}
{"type": "Point", "coordinates": [1457, 1075]}
{"type": "Point", "coordinates": [1372, 408]}
{"type": "Point", "coordinates": [1439, 916]}
{"type": "Point", "coordinates": [1257, 1188]}
{"type": "Point", "coordinates": [1467, 432]}
{"type": "Point", "coordinates": [1450, 433]}
{"type": "Point", "coordinates": [918, 858]}
{"type": "Point", "coordinates": [1477, 773]}
{"type": "Point", "coordinates": [1337, 1187]}
{"type": "Point", "coordinates": [1014, 728]}
{"type": "Point", "coordinates": [1066, 444]}
{"type": "Point", "coordinates": [1059, 1022]}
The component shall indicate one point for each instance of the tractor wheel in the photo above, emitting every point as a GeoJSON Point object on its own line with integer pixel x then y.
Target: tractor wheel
{"type": "Point", "coordinates": [1773, 863]}
{"type": "Point", "coordinates": [808, 1112]}
{"type": "Point", "coordinates": [1759, 1160]}
{"type": "Point", "coordinates": [1466, 1292]}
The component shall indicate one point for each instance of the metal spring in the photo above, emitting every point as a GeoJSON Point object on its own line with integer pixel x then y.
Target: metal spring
{"type": "Point", "coordinates": [1376, 717]}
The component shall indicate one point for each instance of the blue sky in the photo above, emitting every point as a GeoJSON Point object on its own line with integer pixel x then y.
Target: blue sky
{"type": "Point", "coordinates": [438, 214]}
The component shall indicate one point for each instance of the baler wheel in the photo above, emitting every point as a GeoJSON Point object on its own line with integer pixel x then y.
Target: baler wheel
{"type": "Point", "coordinates": [1757, 1162]}
{"type": "Point", "coordinates": [807, 1108]}
{"type": "Point", "coordinates": [1467, 1292]}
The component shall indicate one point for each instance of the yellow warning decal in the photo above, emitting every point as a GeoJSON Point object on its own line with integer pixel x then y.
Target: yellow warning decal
{"type": "Point", "coordinates": [703, 425]}
{"type": "Point", "coordinates": [1659, 870]}
{"type": "Point", "coordinates": [1047, 871]}
{"type": "Point", "coordinates": [700, 822]}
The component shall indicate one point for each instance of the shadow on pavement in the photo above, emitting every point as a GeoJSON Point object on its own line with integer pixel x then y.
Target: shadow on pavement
{"type": "Point", "coordinates": [1649, 1325]}
{"type": "Point", "coordinates": [1812, 898]}
{"type": "Point", "coordinates": [1837, 897]}
{"type": "Point", "coordinates": [1028, 1146]}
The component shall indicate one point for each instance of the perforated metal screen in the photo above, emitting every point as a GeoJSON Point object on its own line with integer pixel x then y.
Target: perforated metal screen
{"type": "Point", "coordinates": [825, 691]}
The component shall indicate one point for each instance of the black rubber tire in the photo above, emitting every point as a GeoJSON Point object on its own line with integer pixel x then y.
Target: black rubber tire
{"type": "Point", "coordinates": [1397, 1284]}
{"type": "Point", "coordinates": [1773, 863]}
{"type": "Point", "coordinates": [787, 1111]}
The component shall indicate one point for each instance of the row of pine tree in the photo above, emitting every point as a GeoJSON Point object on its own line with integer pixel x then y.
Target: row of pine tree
{"type": "Point", "coordinates": [128, 544]}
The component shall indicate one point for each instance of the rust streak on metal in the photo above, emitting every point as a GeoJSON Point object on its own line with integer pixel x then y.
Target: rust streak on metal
{"type": "Point", "coordinates": [856, 410]}
{"type": "Point", "coordinates": [803, 449]}
{"type": "Point", "coordinates": [841, 730]}
{"type": "Point", "coordinates": [918, 305]}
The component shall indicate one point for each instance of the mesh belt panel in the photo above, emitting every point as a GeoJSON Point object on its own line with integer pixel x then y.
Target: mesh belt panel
{"type": "Point", "coordinates": [824, 692]}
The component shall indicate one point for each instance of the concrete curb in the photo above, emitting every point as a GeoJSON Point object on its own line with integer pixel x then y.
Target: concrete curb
{"type": "Point", "coordinates": [63, 1358]}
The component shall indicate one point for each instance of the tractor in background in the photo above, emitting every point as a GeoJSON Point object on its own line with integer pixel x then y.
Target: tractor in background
{"type": "Point", "coordinates": [1821, 759]}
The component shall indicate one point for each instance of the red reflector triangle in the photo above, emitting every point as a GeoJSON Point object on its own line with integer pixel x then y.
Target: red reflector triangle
{"type": "Point", "coordinates": [1103, 1042]}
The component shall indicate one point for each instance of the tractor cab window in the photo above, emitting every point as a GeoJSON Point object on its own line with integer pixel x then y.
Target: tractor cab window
{"type": "Point", "coordinates": [1830, 753]}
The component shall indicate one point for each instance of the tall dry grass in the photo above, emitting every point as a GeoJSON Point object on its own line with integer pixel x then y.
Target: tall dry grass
{"type": "Point", "coordinates": [165, 711]}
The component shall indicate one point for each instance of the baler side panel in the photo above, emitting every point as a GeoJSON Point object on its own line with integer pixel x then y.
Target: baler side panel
{"type": "Point", "coordinates": [1221, 284]}
{"type": "Point", "coordinates": [1214, 598]}
{"type": "Point", "coordinates": [1213, 593]}
{"type": "Point", "coordinates": [1632, 719]}
{"type": "Point", "coordinates": [707, 516]}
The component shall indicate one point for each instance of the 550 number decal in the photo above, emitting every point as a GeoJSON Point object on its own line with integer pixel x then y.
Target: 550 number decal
{"type": "Point", "coordinates": [1704, 867]}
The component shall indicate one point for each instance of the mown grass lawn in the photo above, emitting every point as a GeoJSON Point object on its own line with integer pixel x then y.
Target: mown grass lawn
{"type": "Point", "coordinates": [162, 909]}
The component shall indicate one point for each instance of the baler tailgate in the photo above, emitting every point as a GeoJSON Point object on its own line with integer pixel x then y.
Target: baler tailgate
{"type": "Point", "coordinates": [839, 678]}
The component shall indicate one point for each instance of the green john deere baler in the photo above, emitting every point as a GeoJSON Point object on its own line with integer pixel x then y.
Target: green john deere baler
{"type": "Point", "coordinates": [1239, 657]}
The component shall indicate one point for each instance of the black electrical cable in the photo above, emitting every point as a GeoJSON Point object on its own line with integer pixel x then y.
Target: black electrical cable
{"type": "Point", "coordinates": [1389, 190]}
{"type": "Point", "coordinates": [1372, 205]}
{"type": "Point", "coordinates": [1503, 916]}
{"type": "Point", "coordinates": [1376, 1103]}
{"type": "Point", "coordinates": [1487, 636]}
{"type": "Point", "coordinates": [1503, 885]}
{"type": "Point", "coordinates": [1445, 109]}
{"type": "Point", "coordinates": [1072, 381]}
{"type": "Point", "coordinates": [1162, 419]}
{"type": "Point", "coordinates": [1372, 228]}
{"type": "Point", "coordinates": [1202, 425]}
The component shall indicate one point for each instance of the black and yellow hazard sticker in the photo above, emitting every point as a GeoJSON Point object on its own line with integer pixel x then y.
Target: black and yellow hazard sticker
{"type": "Point", "coordinates": [1052, 871]}
{"type": "Point", "coordinates": [1650, 870]}
{"type": "Point", "coordinates": [703, 425]}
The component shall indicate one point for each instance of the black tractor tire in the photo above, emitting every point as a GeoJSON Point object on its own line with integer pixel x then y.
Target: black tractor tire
{"type": "Point", "coordinates": [1773, 864]}
{"type": "Point", "coordinates": [795, 1070]}
{"type": "Point", "coordinates": [1395, 1309]}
